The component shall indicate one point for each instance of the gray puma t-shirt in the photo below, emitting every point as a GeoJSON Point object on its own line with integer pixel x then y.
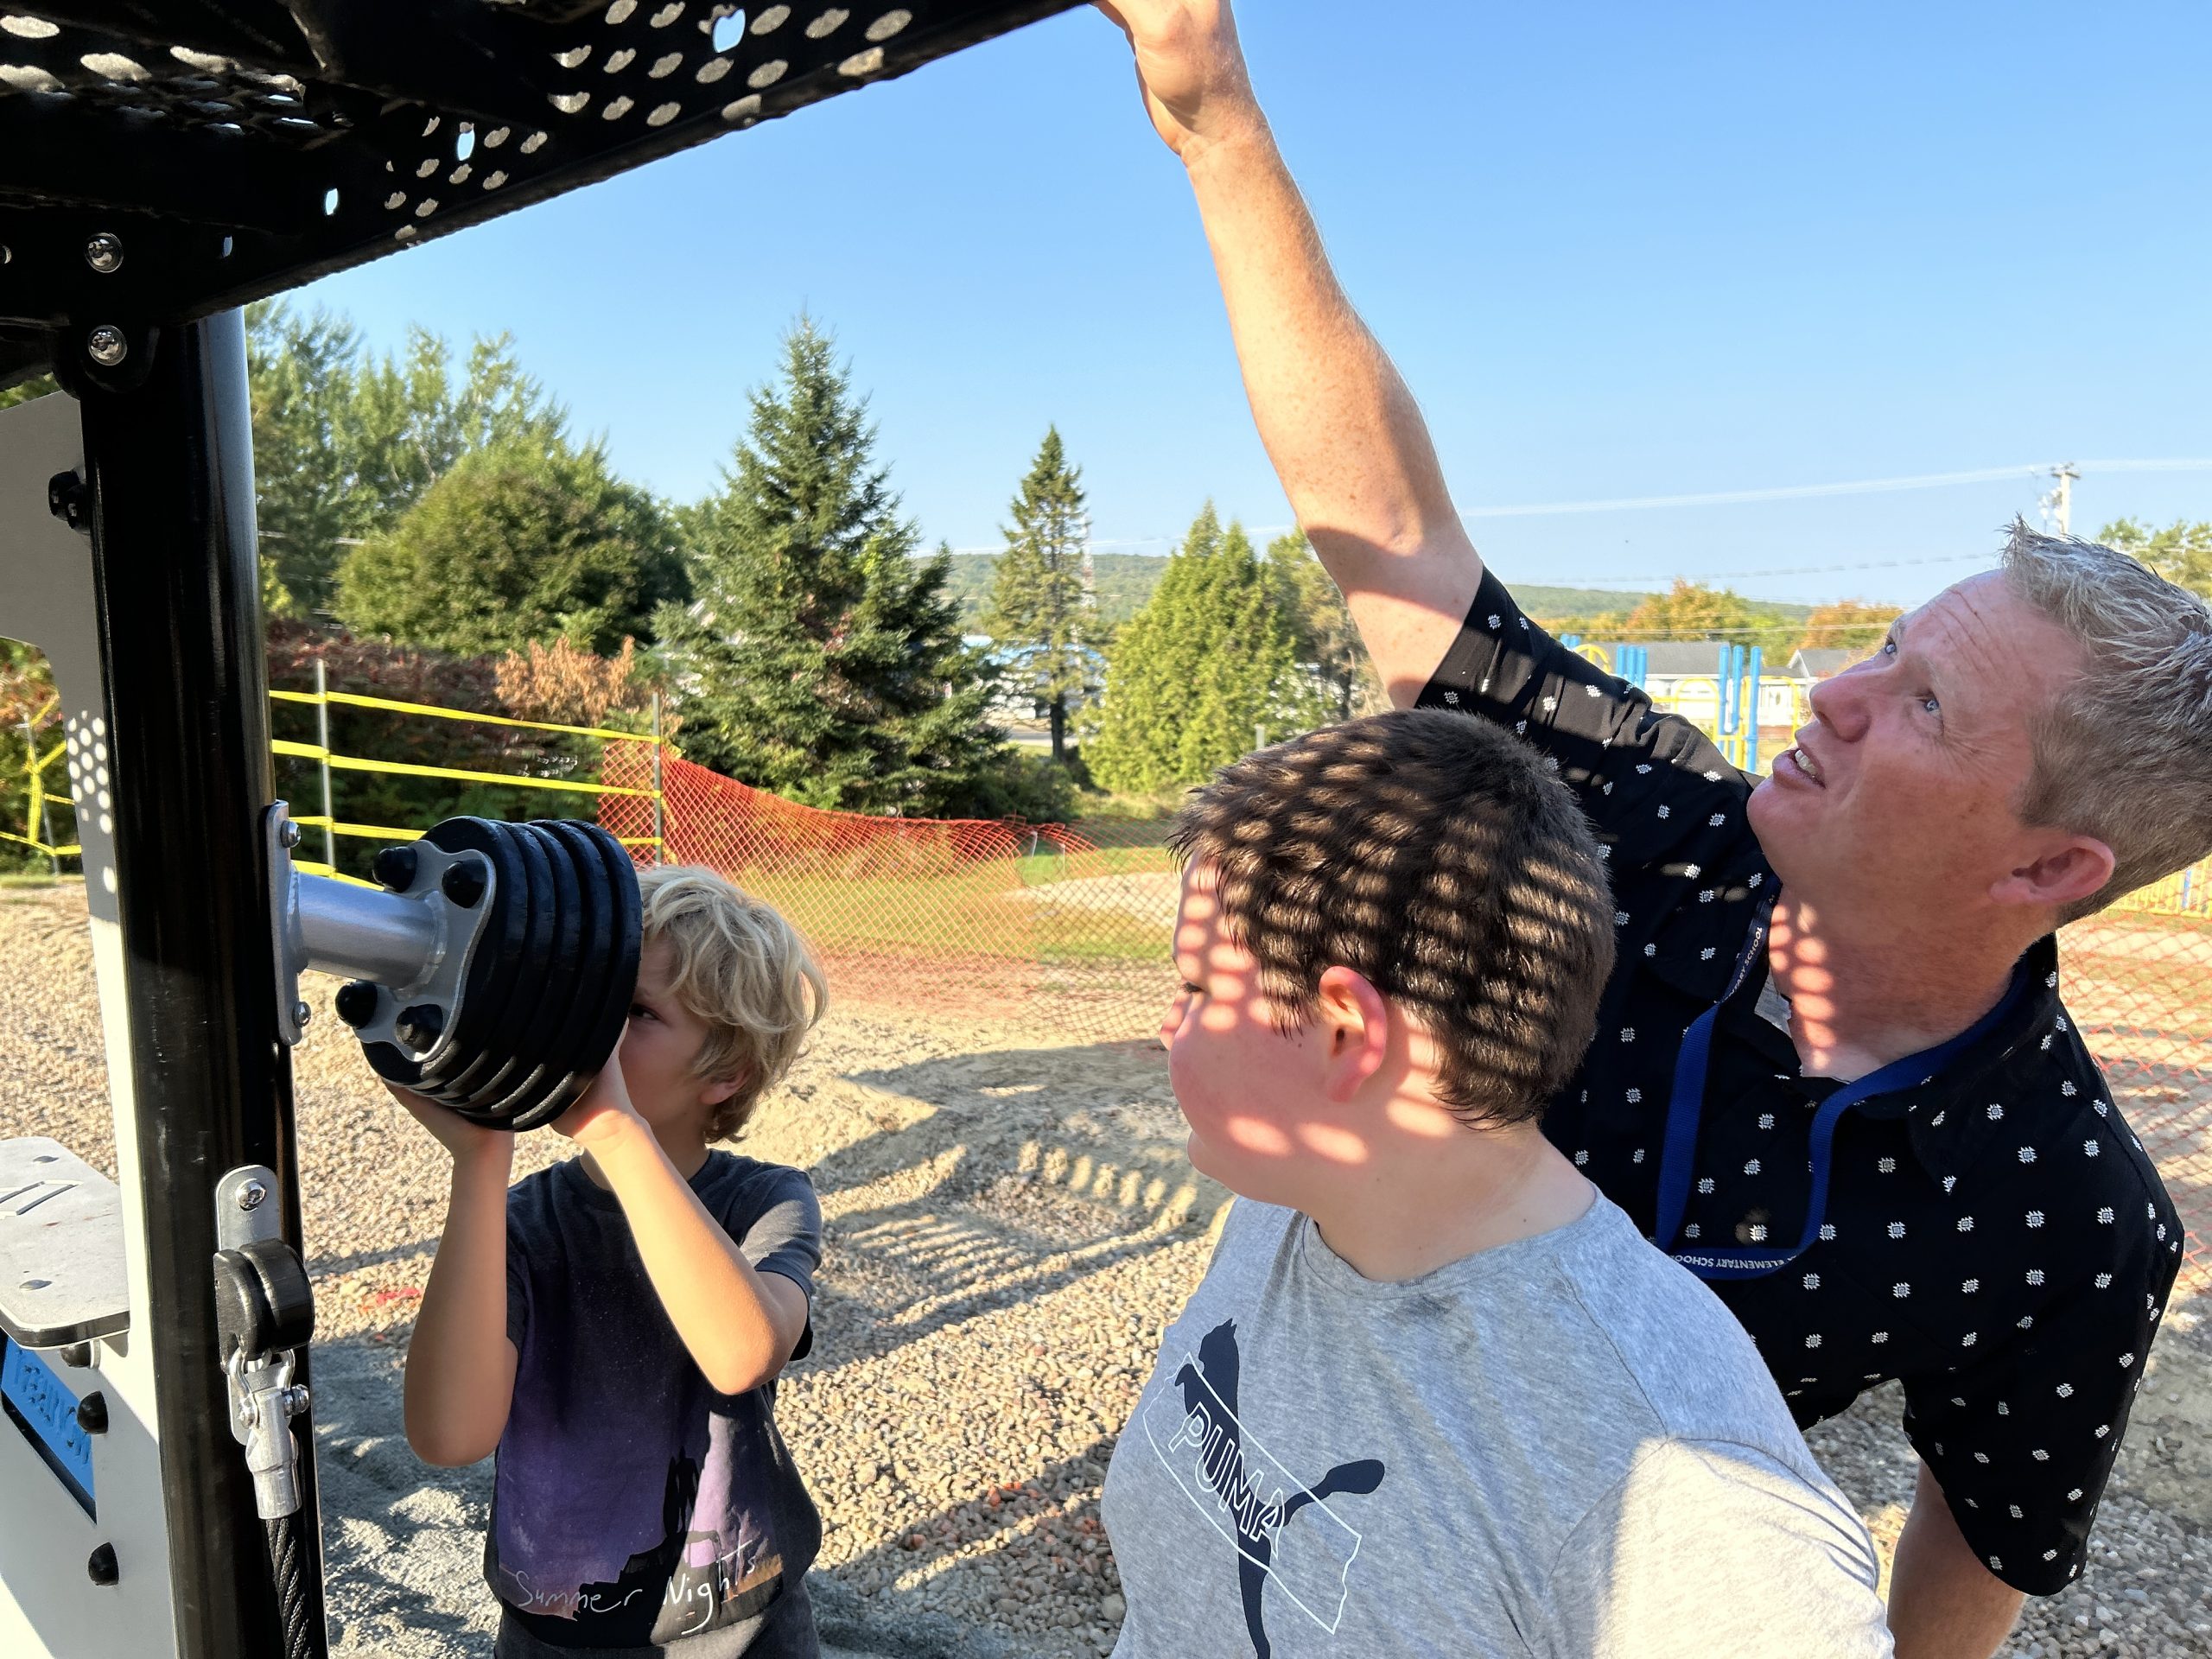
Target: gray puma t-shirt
{"type": "Point", "coordinates": [1564, 1447]}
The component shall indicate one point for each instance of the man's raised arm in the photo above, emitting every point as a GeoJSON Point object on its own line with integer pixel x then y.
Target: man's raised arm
{"type": "Point", "coordinates": [1344, 434]}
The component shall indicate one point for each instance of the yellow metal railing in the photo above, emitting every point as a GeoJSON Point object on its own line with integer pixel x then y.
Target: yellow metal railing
{"type": "Point", "coordinates": [35, 768]}
{"type": "Point", "coordinates": [2185, 893]}
{"type": "Point", "coordinates": [34, 775]}
{"type": "Point", "coordinates": [332, 761]}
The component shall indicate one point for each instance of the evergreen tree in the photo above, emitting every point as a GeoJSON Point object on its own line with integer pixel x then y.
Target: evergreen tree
{"type": "Point", "coordinates": [1041, 607]}
{"type": "Point", "coordinates": [300, 373]}
{"type": "Point", "coordinates": [822, 660]}
{"type": "Point", "coordinates": [1201, 670]}
{"type": "Point", "coordinates": [1323, 638]}
{"type": "Point", "coordinates": [516, 544]}
{"type": "Point", "coordinates": [2182, 552]}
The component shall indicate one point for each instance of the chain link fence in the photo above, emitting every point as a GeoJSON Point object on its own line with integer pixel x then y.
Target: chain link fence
{"type": "Point", "coordinates": [2139, 980]}
{"type": "Point", "coordinates": [1007, 924]}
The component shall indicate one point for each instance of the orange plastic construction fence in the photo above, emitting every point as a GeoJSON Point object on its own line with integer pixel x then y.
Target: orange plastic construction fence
{"type": "Point", "coordinates": [954, 920]}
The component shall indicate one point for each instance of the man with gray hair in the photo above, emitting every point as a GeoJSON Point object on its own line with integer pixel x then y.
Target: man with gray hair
{"type": "Point", "coordinates": [1832, 1075]}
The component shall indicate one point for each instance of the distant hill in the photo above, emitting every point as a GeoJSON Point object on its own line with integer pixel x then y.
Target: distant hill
{"type": "Point", "coordinates": [1126, 580]}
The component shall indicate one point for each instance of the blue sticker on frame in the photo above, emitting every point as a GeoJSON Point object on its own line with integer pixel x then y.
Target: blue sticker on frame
{"type": "Point", "coordinates": [44, 1407]}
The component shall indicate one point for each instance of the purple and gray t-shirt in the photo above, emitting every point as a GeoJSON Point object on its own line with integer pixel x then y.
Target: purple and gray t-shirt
{"type": "Point", "coordinates": [633, 1506]}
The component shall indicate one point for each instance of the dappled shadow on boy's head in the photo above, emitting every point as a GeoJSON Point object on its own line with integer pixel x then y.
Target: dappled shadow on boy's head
{"type": "Point", "coordinates": [1401, 922]}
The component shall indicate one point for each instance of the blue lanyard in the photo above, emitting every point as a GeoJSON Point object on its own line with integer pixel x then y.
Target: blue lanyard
{"type": "Point", "coordinates": [1686, 1105]}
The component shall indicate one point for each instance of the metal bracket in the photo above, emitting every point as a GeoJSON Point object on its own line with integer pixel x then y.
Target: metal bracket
{"type": "Point", "coordinates": [63, 1279]}
{"type": "Point", "coordinates": [264, 1399]}
{"type": "Point", "coordinates": [414, 946]}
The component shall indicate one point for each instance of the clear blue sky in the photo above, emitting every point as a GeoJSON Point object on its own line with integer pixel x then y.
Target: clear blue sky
{"type": "Point", "coordinates": [1619, 250]}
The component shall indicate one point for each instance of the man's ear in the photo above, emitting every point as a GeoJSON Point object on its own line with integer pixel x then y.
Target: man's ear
{"type": "Point", "coordinates": [2074, 870]}
{"type": "Point", "coordinates": [1353, 1024]}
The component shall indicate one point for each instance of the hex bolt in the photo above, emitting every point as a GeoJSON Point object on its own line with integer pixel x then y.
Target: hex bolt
{"type": "Point", "coordinates": [301, 1014]}
{"type": "Point", "coordinates": [357, 1003]}
{"type": "Point", "coordinates": [92, 1412]}
{"type": "Point", "coordinates": [288, 834]}
{"type": "Point", "coordinates": [107, 346]}
{"type": "Point", "coordinates": [252, 1194]}
{"type": "Point", "coordinates": [78, 1356]}
{"type": "Point", "coordinates": [420, 1026]}
{"type": "Point", "coordinates": [103, 253]}
{"type": "Point", "coordinates": [99, 1566]}
{"type": "Point", "coordinates": [395, 867]}
{"type": "Point", "coordinates": [463, 883]}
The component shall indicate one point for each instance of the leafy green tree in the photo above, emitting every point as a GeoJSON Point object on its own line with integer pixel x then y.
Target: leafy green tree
{"type": "Point", "coordinates": [1039, 606]}
{"type": "Point", "coordinates": [1327, 643]}
{"type": "Point", "coordinates": [514, 544]}
{"type": "Point", "coordinates": [343, 443]}
{"type": "Point", "coordinates": [1691, 611]}
{"type": "Point", "coordinates": [36, 387]}
{"type": "Point", "coordinates": [822, 660]}
{"type": "Point", "coordinates": [30, 722]}
{"type": "Point", "coordinates": [2182, 552]}
{"type": "Point", "coordinates": [414, 420]}
{"type": "Point", "coordinates": [1583, 624]}
{"type": "Point", "coordinates": [1846, 625]}
{"type": "Point", "coordinates": [1196, 673]}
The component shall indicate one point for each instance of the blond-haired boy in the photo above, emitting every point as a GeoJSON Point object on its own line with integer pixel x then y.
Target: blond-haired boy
{"type": "Point", "coordinates": [613, 1325]}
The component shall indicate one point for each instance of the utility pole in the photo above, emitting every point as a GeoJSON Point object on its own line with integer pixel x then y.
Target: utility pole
{"type": "Point", "coordinates": [2059, 503]}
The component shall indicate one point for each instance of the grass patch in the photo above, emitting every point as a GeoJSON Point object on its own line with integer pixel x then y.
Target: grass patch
{"type": "Point", "coordinates": [951, 917]}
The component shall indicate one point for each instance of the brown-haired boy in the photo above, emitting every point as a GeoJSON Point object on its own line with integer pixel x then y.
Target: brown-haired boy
{"type": "Point", "coordinates": [613, 1325]}
{"type": "Point", "coordinates": [1434, 1394]}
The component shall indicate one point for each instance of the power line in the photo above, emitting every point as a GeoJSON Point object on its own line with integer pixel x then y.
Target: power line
{"type": "Point", "coordinates": [1857, 486]}
{"type": "Point", "coordinates": [1793, 570]}
{"type": "Point", "coordinates": [1733, 498]}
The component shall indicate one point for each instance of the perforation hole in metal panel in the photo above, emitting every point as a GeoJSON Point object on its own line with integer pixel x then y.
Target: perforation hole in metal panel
{"type": "Point", "coordinates": [258, 144]}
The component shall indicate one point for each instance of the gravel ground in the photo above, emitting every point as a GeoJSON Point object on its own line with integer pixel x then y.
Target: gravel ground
{"type": "Point", "coordinates": [1009, 1229]}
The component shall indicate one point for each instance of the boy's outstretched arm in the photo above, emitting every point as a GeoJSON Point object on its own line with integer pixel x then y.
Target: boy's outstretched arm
{"type": "Point", "coordinates": [739, 1324]}
{"type": "Point", "coordinates": [1345, 437]}
{"type": "Point", "coordinates": [460, 1367]}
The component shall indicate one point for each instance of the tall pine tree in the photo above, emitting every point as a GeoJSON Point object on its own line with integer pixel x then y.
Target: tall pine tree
{"type": "Point", "coordinates": [1201, 670]}
{"type": "Point", "coordinates": [1041, 609]}
{"type": "Point", "coordinates": [821, 659]}
{"type": "Point", "coordinates": [1323, 638]}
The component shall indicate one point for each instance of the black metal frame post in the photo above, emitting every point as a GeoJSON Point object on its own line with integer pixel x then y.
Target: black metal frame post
{"type": "Point", "coordinates": [169, 473]}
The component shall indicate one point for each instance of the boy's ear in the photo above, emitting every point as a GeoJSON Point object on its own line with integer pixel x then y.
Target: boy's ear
{"type": "Point", "coordinates": [1353, 1023]}
{"type": "Point", "coordinates": [716, 1090]}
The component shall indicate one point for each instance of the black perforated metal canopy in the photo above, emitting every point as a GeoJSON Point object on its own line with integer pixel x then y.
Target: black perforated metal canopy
{"type": "Point", "coordinates": [163, 159]}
